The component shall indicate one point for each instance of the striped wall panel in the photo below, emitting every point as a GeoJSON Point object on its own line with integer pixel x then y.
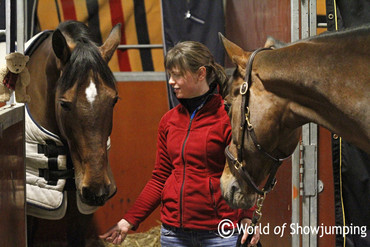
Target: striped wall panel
{"type": "Point", "coordinates": [141, 24]}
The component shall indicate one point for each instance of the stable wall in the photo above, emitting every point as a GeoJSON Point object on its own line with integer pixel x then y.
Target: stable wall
{"type": "Point", "coordinates": [132, 155]}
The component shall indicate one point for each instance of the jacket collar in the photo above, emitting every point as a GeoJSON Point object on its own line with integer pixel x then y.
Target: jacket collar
{"type": "Point", "coordinates": [192, 104]}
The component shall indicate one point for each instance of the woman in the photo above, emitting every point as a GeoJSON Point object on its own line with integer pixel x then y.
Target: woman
{"type": "Point", "coordinates": [190, 158]}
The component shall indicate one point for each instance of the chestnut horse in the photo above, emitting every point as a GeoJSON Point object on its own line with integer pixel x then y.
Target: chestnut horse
{"type": "Point", "coordinates": [273, 92]}
{"type": "Point", "coordinates": [73, 93]}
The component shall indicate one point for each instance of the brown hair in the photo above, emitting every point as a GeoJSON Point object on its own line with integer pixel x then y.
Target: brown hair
{"type": "Point", "coordinates": [190, 56]}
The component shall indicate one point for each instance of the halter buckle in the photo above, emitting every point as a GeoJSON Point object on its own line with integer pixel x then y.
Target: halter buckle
{"type": "Point", "coordinates": [244, 88]}
{"type": "Point", "coordinates": [237, 164]}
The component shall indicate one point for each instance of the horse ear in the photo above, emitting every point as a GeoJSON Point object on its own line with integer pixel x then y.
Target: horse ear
{"type": "Point", "coordinates": [111, 44]}
{"type": "Point", "coordinates": [231, 48]}
{"type": "Point", "coordinates": [60, 46]}
{"type": "Point", "coordinates": [236, 54]}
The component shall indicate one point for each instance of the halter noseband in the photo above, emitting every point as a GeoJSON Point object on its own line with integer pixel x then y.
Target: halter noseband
{"type": "Point", "coordinates": [236, 164]}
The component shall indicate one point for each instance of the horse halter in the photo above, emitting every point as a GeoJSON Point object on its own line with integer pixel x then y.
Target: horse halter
{"type": "Point", "coordinates": [236, 164]}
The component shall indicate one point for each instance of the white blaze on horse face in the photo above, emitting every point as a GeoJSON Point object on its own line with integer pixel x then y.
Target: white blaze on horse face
{"type": "Point", "coordinates": [91, 92]}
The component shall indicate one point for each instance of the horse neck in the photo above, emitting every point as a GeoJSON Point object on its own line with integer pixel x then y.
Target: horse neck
{"type": "Point", "coordinates": [321, 87]}
{"type": "Point", "coordinates": [44, 75]}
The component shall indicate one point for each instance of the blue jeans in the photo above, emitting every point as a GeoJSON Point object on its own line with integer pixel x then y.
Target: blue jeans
{"type": "Point", "coordinates": [178, 237]}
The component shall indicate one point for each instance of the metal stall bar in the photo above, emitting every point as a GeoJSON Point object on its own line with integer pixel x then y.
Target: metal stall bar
{"type": "Point", "coordinates": [294, 36]}
{"type": "Point", "coordinates": [21, 40]}
{"type": "Point", "coordinates": [141, 46]}
{"type": "Point", "coordinates": [309, 142]}
{"type": "Point", "coordinates": [8, 38]}
{"type": "Point", "coordinates": [7, 25]}
{"type": "Point", "coordinates": [304, 160]}
{"type": "Point", "coordinates": [20, 27]}
{"type": "Point", "coordinates": [139, 76]}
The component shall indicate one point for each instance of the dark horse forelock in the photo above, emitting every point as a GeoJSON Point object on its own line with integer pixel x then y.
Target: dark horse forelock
{"type": "Point", "coordinates": [76, 30]}
{"type": "Point", "coordinates": [85, 58]}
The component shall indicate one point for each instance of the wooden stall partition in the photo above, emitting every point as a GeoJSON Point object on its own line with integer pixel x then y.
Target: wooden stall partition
{"type": "Point", "coordinates": [248, 23]}
{"type": "Point", "coordinates": [325, 211]}
{"type": "Point", "coordinates": [133, 148]}
{"type": "Point", "coordinates": [12, 177]}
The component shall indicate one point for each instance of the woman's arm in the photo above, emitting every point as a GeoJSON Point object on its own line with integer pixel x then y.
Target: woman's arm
{"type": "Point", "coordinates": [149, 198]}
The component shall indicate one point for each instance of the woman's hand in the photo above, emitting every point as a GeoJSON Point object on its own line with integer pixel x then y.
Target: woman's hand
{"type": "Point", "coordinates": [117, 233]}
{"type": "Point", "coordinates": [256, 237]}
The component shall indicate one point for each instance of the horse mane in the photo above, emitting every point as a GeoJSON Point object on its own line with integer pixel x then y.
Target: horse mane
{"type": "Point", "coordinates": [343, 34]}
{"type": "Point", "coordinates": [347, 33]}
{"type": "Point", "coordinates": [85, 58]}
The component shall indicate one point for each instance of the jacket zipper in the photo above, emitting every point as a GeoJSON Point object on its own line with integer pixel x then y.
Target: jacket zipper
{"type": "Point", "coordinates": [183, 160]}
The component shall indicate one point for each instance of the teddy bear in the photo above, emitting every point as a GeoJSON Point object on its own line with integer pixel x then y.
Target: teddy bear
{"type": "Point", "coordinates": [15, 77]}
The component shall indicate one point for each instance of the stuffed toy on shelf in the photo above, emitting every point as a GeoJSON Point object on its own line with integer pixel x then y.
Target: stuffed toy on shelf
{"type": "Point", "coordinates": [15, 77]}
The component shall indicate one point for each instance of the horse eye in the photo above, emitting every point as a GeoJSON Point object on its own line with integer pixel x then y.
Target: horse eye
{"type": "Point", "coordinates": [67, 106]}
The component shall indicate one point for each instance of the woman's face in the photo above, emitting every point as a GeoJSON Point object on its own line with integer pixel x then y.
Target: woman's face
{"type": "Point", "coordinates": [188, 85]}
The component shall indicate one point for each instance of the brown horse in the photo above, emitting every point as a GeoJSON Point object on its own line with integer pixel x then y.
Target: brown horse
{"type": "Point", "coordinates": [73, 93]}
{"type": "Point", "coordinates": [324, 79]}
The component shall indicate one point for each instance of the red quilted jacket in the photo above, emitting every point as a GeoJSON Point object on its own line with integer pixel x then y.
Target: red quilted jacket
{"type": "Point", "coordinates": [189, 163]}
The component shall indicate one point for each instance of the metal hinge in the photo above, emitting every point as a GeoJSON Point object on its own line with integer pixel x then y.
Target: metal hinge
{"type": "Point", "coordinates": [309, 185]}
{"type": "Point", "coordinates": [301, 169]}
{"type": "Point", "coordinates": [310, 175]}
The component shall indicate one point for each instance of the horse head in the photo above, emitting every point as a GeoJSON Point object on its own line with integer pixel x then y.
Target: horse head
{"type": "Point", "coordinates": [261, 132]}
{"type": "Point", "coordinates": [85, 96]}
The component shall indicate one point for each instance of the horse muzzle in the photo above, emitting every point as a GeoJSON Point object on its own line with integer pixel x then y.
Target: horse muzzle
{"type": "Point", "coordinates": [95, 196]}
{"type": "Point", "coordinates": [234, 195]}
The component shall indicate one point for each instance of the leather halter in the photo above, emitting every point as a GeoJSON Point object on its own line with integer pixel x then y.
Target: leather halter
{"type": "Point", "coordinates": [236, 164]}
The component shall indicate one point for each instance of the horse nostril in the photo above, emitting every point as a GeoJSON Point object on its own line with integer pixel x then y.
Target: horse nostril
{"type": "Point", "coordinates": [232, 190]}
{"type": "Point", "coordinates": [96, 198]}
{"type": "Point", "coordinates": [87, 194]}
{"type": "Point", "coordinates": [234, 187]}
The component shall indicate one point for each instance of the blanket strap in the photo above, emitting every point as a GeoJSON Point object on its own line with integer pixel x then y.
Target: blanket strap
{"type": "Point", "coordinates": [52, 173]}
